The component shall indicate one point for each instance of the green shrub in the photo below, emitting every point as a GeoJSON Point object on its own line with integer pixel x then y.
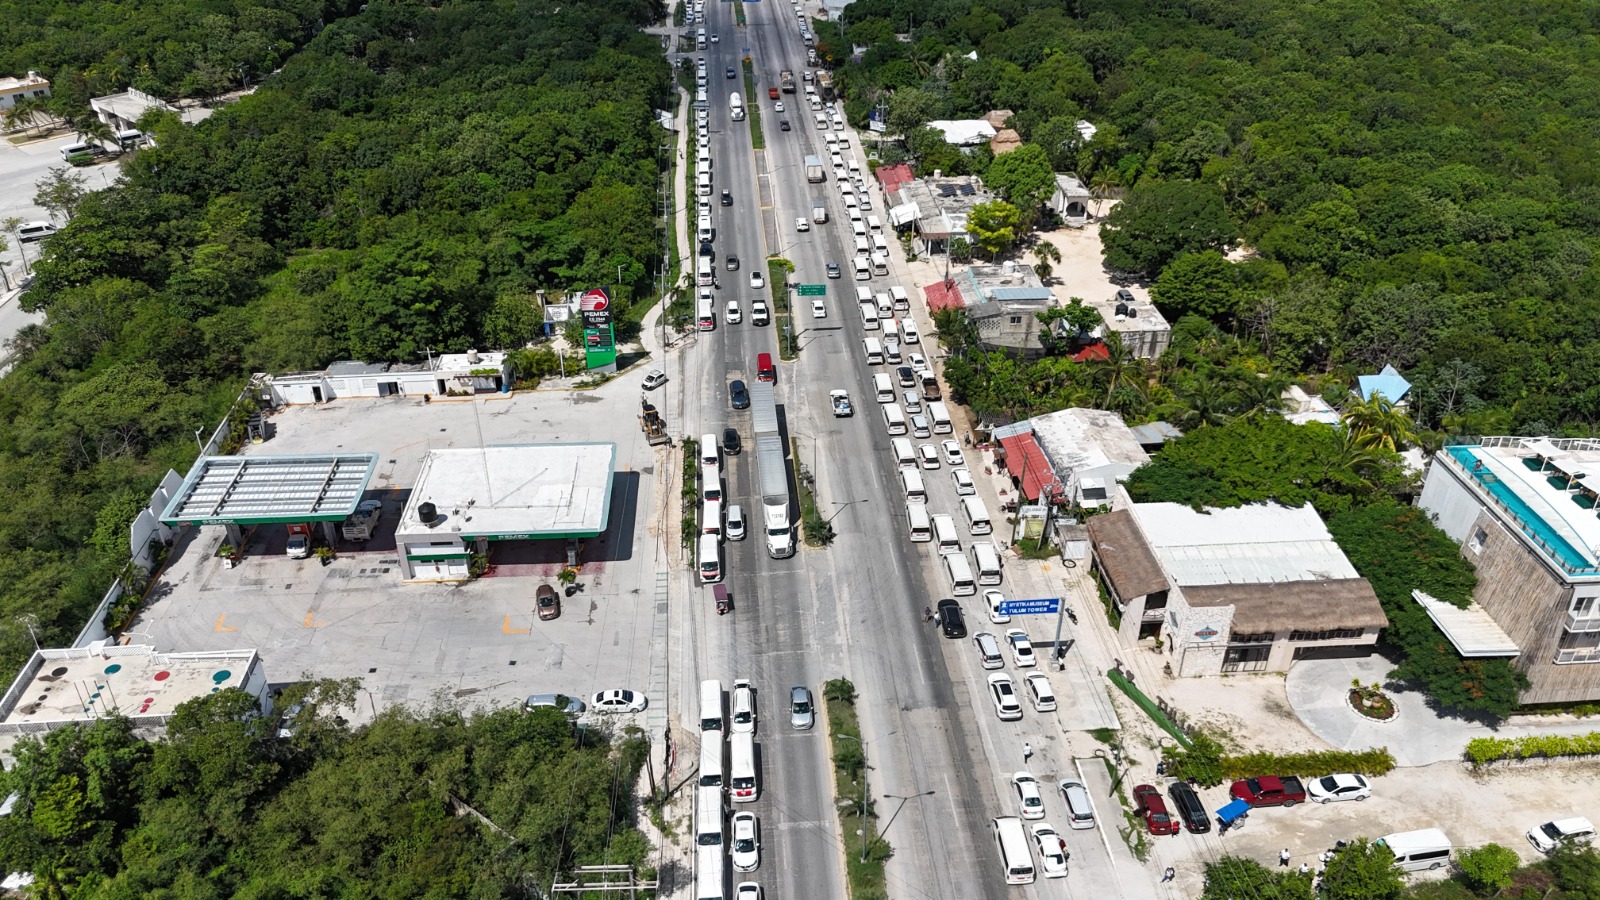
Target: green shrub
{"type": "Point", "coordinates": [1488, 868]}
{"type": "Point", "coordinates": [1362, 762]}
{"type": "Point", "coordinates": [1481, 751]}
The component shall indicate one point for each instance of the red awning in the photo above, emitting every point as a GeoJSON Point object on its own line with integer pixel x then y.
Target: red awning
{"type": "Point", "coordinates": [1027, 462]}
{"type": "Point", "coordinates": [943, 295]}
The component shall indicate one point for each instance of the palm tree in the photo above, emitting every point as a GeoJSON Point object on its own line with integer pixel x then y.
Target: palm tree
{"type": "Point", "coordinates": [1048, 256]}
{"type": "Point", "coordinates": [28, 112]}
{"type": "Point", "coordinates": [1207, 399]}
{"type": "Point", "coordinates": [1119, 367]}
{"type": "Point", "coordinates": [90, 128]}
{"type": "Point", "coordinates": [1262, 393]}
{"type": "Point", "coordinates": [1101, 188]}
{"type": "Point", "coordinates": [1378, 423]}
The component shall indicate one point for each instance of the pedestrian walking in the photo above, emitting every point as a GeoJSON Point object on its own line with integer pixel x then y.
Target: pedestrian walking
{"type": "Point", "coordinates": [1305, 869]}
{"type": "Point", "coordinates": [1027, 752]}
{"type": "Point", "coordinates": [1283, 858]}
{"type": "Point", "coordinates": [1170, 874]}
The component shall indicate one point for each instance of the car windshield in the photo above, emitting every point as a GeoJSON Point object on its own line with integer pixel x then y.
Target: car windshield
{"type": "Point", "coordinates": [744, 845]}
{"type": "Point", "coordinates": [1330, 783]}
{"type": "Point", "coordinates": [1551, 831]}
{"type": "Point", "coordinates": [801, 706]}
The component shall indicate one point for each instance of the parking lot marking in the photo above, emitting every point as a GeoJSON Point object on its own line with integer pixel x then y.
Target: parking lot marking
{"type": "Point", "coordinates": [221, 627]}
{"type": "Point", "coordinates": [310, 624]}
{"type": "Point", "coordinates": [507, 629]}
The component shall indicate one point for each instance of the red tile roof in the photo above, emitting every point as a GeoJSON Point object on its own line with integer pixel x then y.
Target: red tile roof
{"type": "Point", "coordinates": [1026, 461]}
{"type": "Point", "coordinates": [1096, 350]}
{"type": "Point", "coordinates": [943, 295]}
{"type": "Point", "coordinates": [892, 177]}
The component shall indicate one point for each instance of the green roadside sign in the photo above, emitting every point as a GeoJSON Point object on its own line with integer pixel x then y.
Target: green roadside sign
{"type": "Point", "coordinates": [813, 290]}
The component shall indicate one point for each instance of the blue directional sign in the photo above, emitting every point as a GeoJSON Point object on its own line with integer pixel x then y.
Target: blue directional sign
{"type": "Point", "coordinates": [1044, 606]}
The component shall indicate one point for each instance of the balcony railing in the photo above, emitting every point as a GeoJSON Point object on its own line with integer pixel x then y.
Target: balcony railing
{"type": "Point", "coordinates": [1582, 624]}
{"type": "Point", "coordinates": [1569, 657]}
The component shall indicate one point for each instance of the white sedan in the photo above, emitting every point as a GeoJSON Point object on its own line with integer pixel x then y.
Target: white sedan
{"type": "Point", "coordinates": [952, 453]}
{"type": "Point", "coordinates": [1004, 692]}
{"type": "Point", "coordinates": [1030, 801]}
{"type": "Point", "coordinates": [801, 223]}
{"type": "Point", "coordinates": [992, 601]}
{"type": "Point", "coordinates": [618, 701]}
{"type": "Point", "coordinates": [1052, 850]}
{"type": "Point", "coordinates": [819, 310]}
{"type": "Point", "coordinates": [777, 106]}
{"type": "Point", "coordinates": [1021, 648]}
{"type": "Point", "coordinates": [733, 315]}
{"type": "Point", "coordinates": [928, 456]}
{"type": "Point", "coordinates": [746, 842]}
{"type": "Point", "coordinates": [1329, 788]}
{"type": "Point", "coordinates": [756, 281]}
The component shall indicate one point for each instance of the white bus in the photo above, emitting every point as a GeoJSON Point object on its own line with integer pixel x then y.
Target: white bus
{"type": "Point", "coordinates": [1015, 857]}
{"type": "Point", "coordinates": [711, 707]}
{"type": "Point", "coordinates": [743, 766]}
{"type": "Point", "coordinates": [708, 874]}
{"type": "Point", "coordinates": [712, 749]}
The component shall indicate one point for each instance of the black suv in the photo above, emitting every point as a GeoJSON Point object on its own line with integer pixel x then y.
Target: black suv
{"type": "Point", "coordinates": [1188, 805]}
{"type": "Point", "coordinates": [950, 619]}
{"type": "Point", "coordinates": [727, 198]}
{"type": "Point", "coordinates": [730, 441]}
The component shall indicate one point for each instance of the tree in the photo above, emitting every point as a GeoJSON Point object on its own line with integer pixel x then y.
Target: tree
{"type": "Point", "coordinates": [1157, 221]}
{"type": "Point", "coordinates": [28, 112]}
{"type": "Point", "coordinates": [1048, 256]}
{"type": "Point", "coordinates": [1238, 878]}
{"type": "Point", "coordinates": [60, 192]}
{"type": "Point", "coordinates": [994, 226]}
{"type": "Point", "coordinates": [1576, 871]}
{"type": "Point", "coordinates": [1377, 422]}
{"type": "Point", "coordinates": [1202, 762]}
{"type": "Point", "coordinates": [1362, 870]}
{"type": "Point", "coordinates": [1487, 869]}
{"type": "Point", "coordinates": [1202, 283]}
{"type": "Point", "coordinates": [1022, 177]}
{"type": "Point", "coordinates": [512, 321]}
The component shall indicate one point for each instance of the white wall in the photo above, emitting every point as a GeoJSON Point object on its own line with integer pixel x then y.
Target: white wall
{"type": "Point", "coordinates": [1451, 503]}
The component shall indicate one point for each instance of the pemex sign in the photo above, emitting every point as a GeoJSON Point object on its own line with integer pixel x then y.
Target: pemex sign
{"type": "Point", "coordinates": [599, 335]}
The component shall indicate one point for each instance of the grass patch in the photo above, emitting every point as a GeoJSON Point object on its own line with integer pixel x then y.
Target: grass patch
{"type": "Point", "coordinates": [1034, 548]}
{"type": "Point", "coordinates": [814, 529]}
{"type": "Point", "coordinates": [778, 270]}
{"type": "Point", "coordinates": [1105, 736]}
{"type": "Point", "coordinates": [752, 106]}
{"type": "Point", "coordinates": [738, 13]}
{"type": "Point", "coordinates": [691, 493]}
{"type": "Point", "coordinates": [864, 876]}
{"type": "Point", "coordinates": [679, 14]}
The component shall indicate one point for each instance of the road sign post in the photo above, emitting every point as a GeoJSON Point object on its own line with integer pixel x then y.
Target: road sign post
{"type": "Point", "coordinates": [813, 290]}
{"type": "Point", "coordinates": [1042, 606]}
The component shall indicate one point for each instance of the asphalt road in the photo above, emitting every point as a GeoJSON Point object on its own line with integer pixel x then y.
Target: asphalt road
{"type": "Point", "coordinates": [853, 609]}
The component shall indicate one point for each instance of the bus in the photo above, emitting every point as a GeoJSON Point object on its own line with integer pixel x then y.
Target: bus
{"type": "Point", "coordinates": [743, 767]}
{"type": "Point", "coordinates": [1015, 857]}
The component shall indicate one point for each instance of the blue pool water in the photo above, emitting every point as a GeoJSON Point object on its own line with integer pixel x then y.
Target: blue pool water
{"type": "Point", "coordinates": [1530, 522]}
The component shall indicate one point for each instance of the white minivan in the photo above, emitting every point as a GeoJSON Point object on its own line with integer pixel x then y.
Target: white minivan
{"type": "Point", "coordinates": [977, 516]}
{"type": "Point", "coordinates": [882, 386]}
{"type": "Point", "coordinates": [986, 559]}
{"type": "Point", "coordinates": [874, 351]}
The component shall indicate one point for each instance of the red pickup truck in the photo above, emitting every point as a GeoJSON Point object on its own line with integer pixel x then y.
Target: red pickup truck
{"type": "Point", "coordinates": [1268, 790]}
{"type": "Point", "coordinates": [772, 92]}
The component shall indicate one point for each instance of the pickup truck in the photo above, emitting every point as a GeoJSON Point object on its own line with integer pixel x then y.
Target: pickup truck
{"type": "Point", "coordinates": [772, 93]}
{"type": "Point", "coordinates": [1268, 790]}
{"type": "Point", "coordinates": [841, 403]}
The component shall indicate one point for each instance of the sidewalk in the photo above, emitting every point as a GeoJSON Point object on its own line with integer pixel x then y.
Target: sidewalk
{"type": "Point", "coordinates": [1419, 735]}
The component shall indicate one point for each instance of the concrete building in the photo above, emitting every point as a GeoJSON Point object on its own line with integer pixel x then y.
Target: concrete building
{"type": "Point", "coordinates": [33, 87]}
{"type": "Point", "coordinates": [1232, 590]}
{"type": "Point", "coordinates": [936, 209]}
{"type": "Point", "coordinates": [1143, 330]}
{"type": "Point", "coordinates": [78, 685]}
{"type": "Point", "coordinates": [1071, 200]}
{"type": "Point", "coordinates": [445, 375]}
{"type": "Point", "coordinates": [464, 499]}
{"type": "Point", "coordinates": [1003, 302]}
{"type": "Point", "coordinates": [1524, 511]}
{"type": "Point", "coordinates": [1090, 451]}
{"type": "Point", "coordinates": [965, 133]}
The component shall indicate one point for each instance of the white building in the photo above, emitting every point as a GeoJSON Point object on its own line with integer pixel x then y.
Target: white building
{"type": "Point", "coordinates": [1090, 452]}
{"type": "Point", "coordinates": [33, 87]}
{"type": "Point", "coordinates": [965, 133]}
{"type": "Point", "coordinates": [77, 685]}
{"type": "Point", "coordinates": [1071, 200]}
{"type": "Point", "coordinates": [449, 374]}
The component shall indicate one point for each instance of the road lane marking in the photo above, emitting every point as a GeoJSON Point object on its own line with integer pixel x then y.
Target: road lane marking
{"type": "Point", "coordinates": [506, 628]}
{"type": "Point", "coordinates": [307, 622]}
{"type": "Point", "coordinates": [221, 627]}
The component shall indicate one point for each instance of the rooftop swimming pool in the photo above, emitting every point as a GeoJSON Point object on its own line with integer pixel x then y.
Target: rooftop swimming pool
{"type": "Point", "coordinates": [1531, 523]}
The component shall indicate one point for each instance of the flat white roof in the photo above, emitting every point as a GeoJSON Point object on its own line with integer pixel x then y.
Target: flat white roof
{"type": "Point", "coordinates": [1077, 440]}
{"type": "Point", "coordinates": [517, 491]}
{"type": "Point", "coordinates": [81, 684]}
{"type": "Point", "coordinates": [1472, 631]}
{"type": "Point", "coordinates": [1262, 543]}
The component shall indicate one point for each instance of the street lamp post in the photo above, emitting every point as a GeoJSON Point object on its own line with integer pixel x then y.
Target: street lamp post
{"type": "Point", "coordinates": [902, 798]}
{"type": "Point", "coordinates": [863, 810]}
{"type": "Point", "coordinates": [843, 506]}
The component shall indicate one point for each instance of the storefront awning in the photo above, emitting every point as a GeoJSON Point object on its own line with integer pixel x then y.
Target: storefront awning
{"type": "Point", "coordinates": [1473, 632]}
{"type": "Point", "coordinates": [1027, 462]}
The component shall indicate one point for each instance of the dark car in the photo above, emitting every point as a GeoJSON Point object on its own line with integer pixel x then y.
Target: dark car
{"type": "Point", "coordinates": [950, 619]}
{"type": "Point", "coordinates": [833, 270]}
{"type": "Point", "coordinates": [727, 198]}
{"type": "Point", "coordinates": [549, 602]}
{"type": "Point", "coordinates": [730, 71]}
{"type": "Point", "coordinates": [1124, 295]}
{"type": "Point", "coordinates": [1187, 802]}
{"type": "Point", "coordinates": [1148, 805]}
{"type": "Point", "coordinates": [906, 376]}
{"type": "Point", "coordinates": [733, 263]}
{"type": "Point", "coordinates": [738, 394]}
{"type": "Point", "coordinates": [730, 441]}
{"type": "Point", "coordinates": [706, 249]}
{"type": "Point", "coordinates": [783, 124]}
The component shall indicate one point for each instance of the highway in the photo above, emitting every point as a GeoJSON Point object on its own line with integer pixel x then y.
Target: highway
{"type": "Point", "coordinates": [853, 609]}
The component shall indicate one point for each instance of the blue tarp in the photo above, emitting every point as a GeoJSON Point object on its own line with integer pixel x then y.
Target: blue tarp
{"type": "Point", "coordinates": [1232, 812]}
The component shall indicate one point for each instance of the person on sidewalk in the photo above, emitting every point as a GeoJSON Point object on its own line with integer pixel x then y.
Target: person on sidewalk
{"type": "Point", "coordinates": [1283, 858]}
{"type": "Point", "coordinates": [1027, 752]}
{"type": "Point", "coordinates": [1170, 874]}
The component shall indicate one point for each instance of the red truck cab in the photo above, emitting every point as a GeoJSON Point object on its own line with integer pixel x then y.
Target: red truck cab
{"type": "Point", "coordinates": [772, 92]}
{"type": "Point", "coordinates": [1269, 790]}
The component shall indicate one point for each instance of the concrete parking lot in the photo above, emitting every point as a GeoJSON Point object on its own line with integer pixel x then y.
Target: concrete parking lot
{"type": "Point", "coordinates": [478, 642]}
{"type": "Point", "coordinates": [23, 164]}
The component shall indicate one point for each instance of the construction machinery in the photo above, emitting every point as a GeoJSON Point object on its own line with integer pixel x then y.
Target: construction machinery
{"type": "Point", "coordinates": [650, 422]}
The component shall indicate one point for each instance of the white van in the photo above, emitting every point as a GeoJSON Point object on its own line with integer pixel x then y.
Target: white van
{"type": "Point", "coordinates": [862, 248]}
{"type": "Point", "coordinates": [908, 331]}
{"type": "Point", "coordinates": [1415, 851]}
{"type": "Point", "coordinates": [743, 767]}
{"type": "Point", "coordinates": [891, 329]}
{"type": "Point", "coordinates": [700, 96]}
{"type": "Point", "coordinates": [709, 874]}
{"type": "Point", "coordinates": [705, 227]}
{"type": "Point", "coordinates": [710, 453]}
{"type": "Point", "coordinates": [859, 231]}
{"type": "Point", "coordinates": [711, 518]}
{"type": "Point", "coordinates": [703, 183]}
{"type": "Point", "coordinates": [711, 710]}
{"type": "Point", "coordinates": [885, 304]}
{"type": "Point", "coordinates": [880, 263]}
{"type": "Point", "coordinates": [874, 351]}
{"type": "Point", "coordinates": [72, 150]}
{"type": "Point", "coordinates": [709, 822]}
{"type": "Point", "coordinates": [986, 559]}
{"type": "Point", "coordinates": [940, 416]}
{"type": "Point", "coordinates": [822, 122]}
{"type": "Point", "coordinates": [959, 573]}
{"type": "Point", "coordinates": [902, 300]}
{"type": "Point", "coordinates": [863, 294]}
{"type": "Point", "coordinates": [869, 317]}
{"type": "Point", "coordinates": [894, 419]}
{"type": "Point", "coordinates": [882, 386]}
{"type": "Point", "coordinates": [1016, 860]}
{"type": "Point", "coordinates": [712, 751]}
{"type": "Point", "coordinates": [862, 267]}
{"type": "Point", "coordinates": [911, 483]}
{"type": "Point", "coordinates": [918, 528]}
{"type": "Point", "coordinates": [873, 225]}
{"type": "Point", "coordinates": [944, 534]}
{"type": "Point", "coordinates": [903, 454]}
{"type": "Point", "coordinates": [855, 168]}
{"type": "Point", "coordinates": [977, 517]}
{"type": "Point", "coordinates": [710, 559]}
{"type": "Point", "coordinates": [879, 245]}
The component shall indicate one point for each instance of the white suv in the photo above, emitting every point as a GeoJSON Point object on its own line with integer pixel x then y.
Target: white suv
{"type": "Point", "coordinates": [1004, 692]}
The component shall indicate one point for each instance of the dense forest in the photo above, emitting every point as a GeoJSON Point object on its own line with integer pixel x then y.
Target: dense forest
{"type": "Point", "coordinates": [1420, 183]}
{"type": "Point", "coordinates": [407, 182]}
{"type": "Point", "coordinates": [169, 48]}
{"type": "Point", "coordinates": [414, 805]}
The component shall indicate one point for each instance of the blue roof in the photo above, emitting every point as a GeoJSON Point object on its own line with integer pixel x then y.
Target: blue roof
{"type": "Point", "coordinates": [1388, 383]}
